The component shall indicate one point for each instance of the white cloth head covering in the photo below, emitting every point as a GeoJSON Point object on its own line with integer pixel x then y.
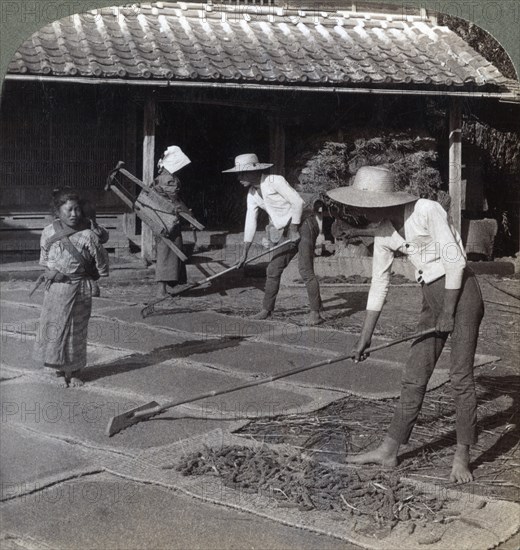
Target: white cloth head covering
{"type": "Point", "coordinates": [173, 159]}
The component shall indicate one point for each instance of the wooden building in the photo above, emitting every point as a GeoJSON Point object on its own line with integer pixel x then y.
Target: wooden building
{"type": "Point", "coordinates": [218, 80]}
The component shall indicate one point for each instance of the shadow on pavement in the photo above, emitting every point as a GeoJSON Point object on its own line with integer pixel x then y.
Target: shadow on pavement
{"type": "Point", "coordinates": [176, 351]}
{"type": "Point", "coordinates": [495, 387]}
{"type": "Point", "coordinates": [353, 302]}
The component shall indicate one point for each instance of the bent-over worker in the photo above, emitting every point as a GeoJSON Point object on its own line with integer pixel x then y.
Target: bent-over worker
{"type": "Point", "coordinates": [284, 207]}
{"type": "Point", "coordinates": [452, 303]}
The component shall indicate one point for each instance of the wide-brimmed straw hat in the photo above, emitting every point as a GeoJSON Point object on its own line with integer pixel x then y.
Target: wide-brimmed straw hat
{"type": "Point", "coordinates": [174, 159]}
{"type": "Point", "coordinates": [247, 163]}
{"type": "Point", "coordinates": [373, 187]}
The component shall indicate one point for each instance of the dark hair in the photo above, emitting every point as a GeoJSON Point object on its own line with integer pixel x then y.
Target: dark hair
{"type": "Point", "coordinates": [63, 194]}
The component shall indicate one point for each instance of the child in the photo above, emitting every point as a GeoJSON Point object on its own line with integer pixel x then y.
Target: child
{"type": "Point", "coordinates": [74, 258]}
{"type": "Point", "coordinates": [284, 207]}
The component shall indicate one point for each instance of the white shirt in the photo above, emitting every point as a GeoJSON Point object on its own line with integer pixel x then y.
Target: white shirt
{"type": "Point", "coordinates": [431, 243]}
{"type": "Point", "coordinates": [281, 202]}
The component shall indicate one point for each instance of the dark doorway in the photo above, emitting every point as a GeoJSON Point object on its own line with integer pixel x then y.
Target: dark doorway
{"type": "Point", "coordinates": [211, 136]}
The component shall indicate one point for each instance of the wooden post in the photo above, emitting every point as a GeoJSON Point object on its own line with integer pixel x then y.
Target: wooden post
{"type": "Point", "coordinates": [147, 239]}
{"type": "Point", "coordinates": [277, 143]}
{"type": "Point", "coordinates": [455, 160]}
{"type": "Point", "coordinates": [129, 218]}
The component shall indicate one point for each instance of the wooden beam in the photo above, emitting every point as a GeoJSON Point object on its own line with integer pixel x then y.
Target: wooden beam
{"type": "Point", "coordinates": [147, 239]}
{"type": "Point", "coordinates": [455, 160]}
{"type": "Point", "coordinates": [247, 105]}
{"type": "Point", "coordinates": [131, 153]}
{"type": "Point", "coordinates": [277, 143]}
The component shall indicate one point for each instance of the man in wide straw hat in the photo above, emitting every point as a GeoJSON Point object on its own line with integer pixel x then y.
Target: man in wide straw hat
{"type": "Point", "coordinates": [284, 206]}
{"type": "Point", "coordinates": [170, 269]}
{"type": "Point", "coordinates": [452, 303]}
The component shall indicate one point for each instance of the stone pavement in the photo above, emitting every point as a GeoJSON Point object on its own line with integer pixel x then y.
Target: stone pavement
{"type": "Point", "coordinates": [58, 463]}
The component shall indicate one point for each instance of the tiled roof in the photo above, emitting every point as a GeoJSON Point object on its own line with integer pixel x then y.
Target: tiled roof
{"type": "Point", "coordinates": [200, 42]}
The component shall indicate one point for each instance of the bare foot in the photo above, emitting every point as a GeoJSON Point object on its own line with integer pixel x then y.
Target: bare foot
{"type": "Point", "coordinates": [57, 377]}
{"type": "Point", "coordinates": [61, 382]}
{"type": "Point", "coordinates": [73, 379]}
{"type": "Point", "coordinates": [264, 314]}
{"type": "Point", "coordinates": [385, 455]}
{"type": "Point", "coordinates": [460, 472]}
{"type": "Point", "coordinates": [315, 318]}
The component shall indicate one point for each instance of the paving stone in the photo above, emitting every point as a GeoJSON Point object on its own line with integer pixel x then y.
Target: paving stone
{"type": "Point", "coordinates": [22, 296]}
{"type": "Point", "coordinates": [104, 511]}
{"type": "Point", "coordinates": [254, 357]}
{"type": "Point", "coordinates": [174, 382]}
{"type": "Point", "coordinates": [84, 415]}
{"type": "Point", "coordinates": [335, 341]}
{"type": "Point", "coordinates": [7, 374]}
{"type": "Point", "coordinates": [208, 323]}
{"type": "Point", "coordinates": [136, 337]}
{"type": "Point", "coordinates": [342, 343]}
{"type": "Point", "coordinates": [44, 460]}
{"type": "Point", "coordinates": [186, 348]}
{"type": "Point", "coordinates": [99, 304]}
{"type": "Point", "coordinates": [17, 351]}
{"type": "Point", "coordinates": [13, 317]}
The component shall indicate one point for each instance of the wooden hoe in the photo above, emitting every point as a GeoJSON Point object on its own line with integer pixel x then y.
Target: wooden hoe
{"type": "Point", "coordinates": [144, 412]}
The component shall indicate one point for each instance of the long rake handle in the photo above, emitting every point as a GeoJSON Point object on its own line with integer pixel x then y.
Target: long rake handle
{"type": "Point", "coordinates": [147, 310]}
{"type": "Point", "coordinates": [249, 260]}
{"type": "Point", "coordinates": [214, 393]}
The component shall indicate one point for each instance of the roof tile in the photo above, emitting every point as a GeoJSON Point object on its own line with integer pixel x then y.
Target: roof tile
{"type": "Point", "coordinates": [168, 41]}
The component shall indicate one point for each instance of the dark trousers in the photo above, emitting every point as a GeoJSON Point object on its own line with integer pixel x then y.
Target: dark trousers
{"type": "Point", "coordinates": [309, 232]}
{"type": "Point", "coordinates": [425, 352]}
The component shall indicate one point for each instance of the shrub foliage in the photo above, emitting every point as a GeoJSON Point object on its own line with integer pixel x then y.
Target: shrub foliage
{"type": "Point", "coordinates": [413, 160]}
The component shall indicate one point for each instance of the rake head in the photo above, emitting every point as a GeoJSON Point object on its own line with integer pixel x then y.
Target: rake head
{"type": "Point", "coordinates": [129, 418]}
{"type": "Point", "coordinates": [148, 310]}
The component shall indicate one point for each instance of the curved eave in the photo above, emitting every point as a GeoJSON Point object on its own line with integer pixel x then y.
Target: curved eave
{"type": "Point", "coordinates": [509, 96]}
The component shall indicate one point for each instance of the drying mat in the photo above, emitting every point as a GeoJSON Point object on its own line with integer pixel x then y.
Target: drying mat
{"type": "Point", "coordinates": [10, 491]}
{"type": "Point", "coordinates": [46, 460]}
{"type": "Point", "coordinates": [374, 378]}
{"type": "Point", "coordinates": [478, 523]}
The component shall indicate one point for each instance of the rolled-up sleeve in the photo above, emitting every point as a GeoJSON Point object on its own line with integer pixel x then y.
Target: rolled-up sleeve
{"type": "Point", "coordinates": [381, 269]}
{"type": "Point", "coordinates": [280, 185]}
{"type": "Point", "coordinates": [449, 244]}
{"type": "Point", "coordinates": [251, 219]}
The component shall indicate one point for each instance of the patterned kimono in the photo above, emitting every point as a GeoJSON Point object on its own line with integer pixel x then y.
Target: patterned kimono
{"type": "Point", "coordinates": [61, 341]}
